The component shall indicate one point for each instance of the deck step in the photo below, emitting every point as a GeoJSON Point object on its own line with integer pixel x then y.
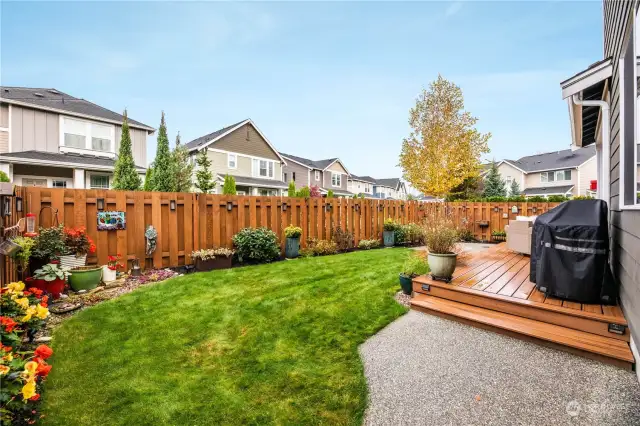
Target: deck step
{"type": "Point", "coordinates": [590, 345]}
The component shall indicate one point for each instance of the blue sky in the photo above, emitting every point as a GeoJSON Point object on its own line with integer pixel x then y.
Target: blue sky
{"type": "Point", "coordinates": [319, 79]}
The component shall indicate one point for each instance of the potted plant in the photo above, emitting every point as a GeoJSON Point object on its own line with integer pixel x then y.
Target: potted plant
{"type": "Point", "coordinates": [209, 259]}
{"type": "Point", "coordinates": [85, 277]}
{"type": "Point", "coordinates": [77, 246]}
{"type": "Point", "coordinates": [292, 245]}
{"type": "Point", "coordinates": [22, 256]}
{"type": "Point", "coordinates": [441, 236]}
{"type": "Point", "coordinates": [498, 236]}
{"type": "Point", "coordinates": [55, 277]}
{"type": "Point", "coordinates": [49, 246]}
{"type": "Point", "coordinates": [388, 233]}
{"type": "Point", "coordinates": [110, 270]}
{"type": "Point", "coordinates": [415, 265]}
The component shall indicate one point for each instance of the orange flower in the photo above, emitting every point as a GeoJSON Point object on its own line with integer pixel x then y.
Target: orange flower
{"type": "Point", "coordinates": [35, 397]}
{"type": "Point", "coordinates": [44, 301]}
{"type": "Point", "coordinates": [3, 370]}
{"type": "Point", "coordinates": [8, 324]}
{"type": "Point", "coordinates": [43, 351]}
{"type": "Point", "coordinates": [36, 292]}
{"type": "Point", "coordinates": [43, 368]}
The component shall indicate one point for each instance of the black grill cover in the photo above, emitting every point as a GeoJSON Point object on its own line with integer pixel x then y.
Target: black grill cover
{"type": "Point", "coordinates": [570, 252]}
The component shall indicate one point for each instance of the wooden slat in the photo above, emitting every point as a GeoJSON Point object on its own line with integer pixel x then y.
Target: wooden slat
{"type": "Point", "coordinates": [537, 296]}
{"type": "Point", "coordinates": [571, 305]}
{"type": "Point", "coordinates": [596, 309]}
{"type": "Point", "coordinates": [156, 221]}
{"type": "Point", "coordinates": [173, 229]}
{"type": "Point", "coordinates": [497, 275]}
{"type": "Point", "coordinates": [514, 283]}
{"type": "Point", "coordinates": [481, 274]}
{"type": "Point", "coordinates": [216, 217]}
{"type": "Point", "coordinates": [497, 285]}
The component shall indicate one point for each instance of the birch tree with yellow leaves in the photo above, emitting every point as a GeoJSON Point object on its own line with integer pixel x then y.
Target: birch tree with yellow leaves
{"type": "Point", "coordinates": [444, 147]}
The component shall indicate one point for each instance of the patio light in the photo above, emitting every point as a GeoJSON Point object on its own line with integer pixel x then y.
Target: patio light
{"type": "Point", "coordinates": [172, 205]}
{"type": "Point", "coordinates": [284, 207]}
{"type": "Point", "coordinates": [229, 206]}
{"type": "Point", "coordinates": [100, 203]}
{"type": "Point", "coordinates": [18, 204]}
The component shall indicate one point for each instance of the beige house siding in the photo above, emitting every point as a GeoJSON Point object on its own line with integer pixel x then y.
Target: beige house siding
{"type": "Point", "coordinates": [532, 180]}
{"type": "Point", "coordinates": [587, 172]}
{"type": "Point", "coordinates": [507, 170]}
{"type": "Point", "coordinates": [337, 167]}
{"type": "Point", "coordinates": [34, 130]}
{"type": "Point", "coordinates": [244, 165]}
{"type": "Point", "coordinates": [316, 182]}
{"type": "Point", "coordinates": [4, 115]}
{"type": "Point", "coordinates": [138, 144]}
{"type": "Point", "coordinates": [357, 187]}
{"type": "Point", "coordinates": [247, 141]}
{"type": "Point", "coordinates": [302, 174]}
{"type": "Point", "coordinates": [4, 142]}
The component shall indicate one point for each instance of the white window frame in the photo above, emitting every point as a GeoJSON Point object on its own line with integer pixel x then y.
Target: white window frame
{"type": "Point", "coordinates": [230, 160]}
{"type": "Point", "coordinates": [317, 175]}
{"type": "Point", "coordinates": [623, 205]}
{"type": "Point", "coordinates": [338, 179]}
{"type": "Point", "coordinates": [88, 149]}
{"type": "Point", "coordinates": [89, 186]}
{"type": "Point", "coordinates": [270, 167]}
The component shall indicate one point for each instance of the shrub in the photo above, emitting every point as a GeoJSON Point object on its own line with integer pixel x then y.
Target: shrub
{"type": "Point", "coordinates": [304, 192]}
{"type": "Point", "coordinates": [465, 233]}
{"type": "Point", "coordinates": [415, 265]}
{"type": "Point", "coordinates": [389, 224]}
{"type": "Point", "coordinates": [49, 243]}
{"type": "Point", "coordinates": [229, 187]}
{"type": "Point", "coordinates": [330, 193]}
{"type": "Point", "coordinates": [400, 235]}
{"type": "Point", "coordinates": [208, 254]}
{"type": "Point", "coordinates": [314, 192]}
{"type": "Point", "coordinates": [256, 245]}
{"type": "Point", "coordinates": [22, 365]}
{"type": "Point", "coordinates": [26, 244]}
{"type": "Point", "coordinates": [291, 190]}
{"type": "Point", "coordinates": [343, 239]}
{"type": "Point", "coordinates": [496, 199]}
{"type": "Point", "coordinates": [292, 231]}
{"type": "Point", "coordinates": [583, 197]}
{"type": "Point", "coordinates": [517, 198]}
{"type": "Point", "coordinates": [409, 234]}
{"type": "Point", "coordinates": [368, 244]}
{"type": "Point", "coordinates": [77, 241]}
{"type": "Point", "coordinates": [537, 199]}
{"type": "Point", "coordinates": [499, 233]}
{"type": "Point", "coordinates": [557, 198]}
{"type": "Point", "coordinates": [4, 177]}
{"type": "Point", "coordinates": [319, 248]}
{"type": "Point", "coordinates": [440, 234]}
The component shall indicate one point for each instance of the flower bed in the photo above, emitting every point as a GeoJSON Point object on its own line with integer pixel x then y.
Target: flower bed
{"type": "Point", "coordinates": [23, 366]}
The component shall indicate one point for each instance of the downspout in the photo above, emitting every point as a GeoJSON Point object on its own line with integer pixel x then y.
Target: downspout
{"type": "Point", "coordinates": [603, 189]}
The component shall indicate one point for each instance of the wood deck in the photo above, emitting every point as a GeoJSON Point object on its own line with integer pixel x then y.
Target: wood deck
{"type": "Point", "coordinates": [493, 290]}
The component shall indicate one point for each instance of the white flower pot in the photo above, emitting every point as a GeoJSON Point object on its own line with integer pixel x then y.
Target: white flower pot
{"type": "Point", "coordinates": [72, 261]}
{"type": "Point", "coordinates": [442, 265]}
{"type": "Point", "coordinates": [108, 275]}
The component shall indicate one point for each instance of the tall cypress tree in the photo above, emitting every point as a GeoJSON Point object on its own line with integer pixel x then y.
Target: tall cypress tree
{"type": "Point", "coordinates": [229, 187]}
{"type": "Point", "coordinates": [163, 178]}
{"type": "Point", "coordinates": [204, 177]}
{"type": "Point", "coordinates": [291, 191]}
{"type": "Point", "coordinates": [125, 175]}
{"type": "Point", "coordinates": [494, 185]}
{"type": "Point", "coordinates": [148, 184]}
{"type": "Point", "coordinates": [515, 188]}
{"type": "Point", "coordinates": [183, 169]}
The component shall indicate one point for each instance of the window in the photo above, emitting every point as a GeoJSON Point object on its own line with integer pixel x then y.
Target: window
{"type": "Point", "coordinates": [268, 192]}
{"type": "Point", "coordinates": [285, 177]}
{"type": "Point", "coordinates": [293, 176]}
{"type": "Point", "coordinates": [263, 168]}
{"type": "Point", "coordinates": [557, 176]}
{"type": "Point", "coordinates": [34, 182]}
{"type": "Point", "coordinates": [232, 161]}
{"type": "Point", "coordinates": [336, 179]}
{"type": "Point", "coordinates": [99, 182]}
{"type": "Point", "coordinates": [59, 183]}
{"type": "Point", "coordinates": [317, 173]}
{"type": "Point", "coordinates": [82, 134]}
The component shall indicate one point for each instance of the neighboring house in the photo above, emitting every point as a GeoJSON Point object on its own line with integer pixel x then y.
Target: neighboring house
{"type": "Point", "coordinates": [391, 188]}
{"type": "Point", "coordinates": [329, 174]}
{"type": "Point", "coordinates": [244, 152]}
{"type": "Point", "coordinates": [568, 172]}
{"type": "Point", "coordinates": [361, 185]}
{"type": "Point", "coordinates": [603, 111]}
{"type": "Point", "coordinates": [51, 139]}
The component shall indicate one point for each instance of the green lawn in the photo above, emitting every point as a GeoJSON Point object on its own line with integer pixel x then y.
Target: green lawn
{"type": "Point", "coordinates": [268, 344]}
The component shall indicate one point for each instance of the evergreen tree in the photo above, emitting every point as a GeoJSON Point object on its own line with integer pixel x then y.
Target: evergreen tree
{"type": "Point", "coordinates": [148, 177]}
{"type": "Point", "coordinates": [304, 192]}
{"type": "Point", "coordinates": [125, 175]}
{"type": "Point", "coordinates": [330, 193]}
{"type": "Point", "coordinates": [291, 192]}
{"type": "Point", "coordinates": [229, 187]}
{"type": "Point", "coordinates": [494, 185]}
{"type": "Point", "coordinates": [204, 177]}
{"type": "Point", "coordinates": [183, 169]}
{"type": "Point", "coordinates": [515, 188]}
{"type": "Point", "coordinates": [163, 178]}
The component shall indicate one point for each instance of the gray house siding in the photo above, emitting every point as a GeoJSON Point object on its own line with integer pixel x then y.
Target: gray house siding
{"type": "Point", "coordinates": [34, 130]}
{"type": "Point", "coordinates": [625, 224]}
{"type": "Point", "coordinates": [302, 174]}
{"type": "Point", "coordinates": [336, 168]}
{"type": "Point", "coordinates": [138, 144]}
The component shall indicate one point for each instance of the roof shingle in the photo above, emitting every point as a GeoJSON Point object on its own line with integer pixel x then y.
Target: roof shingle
{"type": "Point", "coordinates": [554, 160]}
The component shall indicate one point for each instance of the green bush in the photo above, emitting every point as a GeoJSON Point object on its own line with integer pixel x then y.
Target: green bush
{"type": "Point", "coordinates": [304, 192]}
{"type": "Point", "coordinates": [343, 239]}
{"type": "Point", "coordinates": [330, 193]}
{"type": "Point", "coordinates": [368, 244]}
{"type": "Point", "coordinates": [229, 187]}
{"type": "Point", "coordinates": [517, 199]}
{"type": "Point", "coordinates": [537, 199]}
{"type": "Point", "coordinates": [319, 248]}
{"type": "Point", "coordinates": [4, 177]}
{"type": "Point", "coordinates": [389, 224]}
{"type": "Point", "coordinates": [400, 234]}
{"type": "Point", "coordinates": [49, 243]}
{"type": "Point", "coordinates": [291, 191]}
{"type": "Point", "coordinates": [557, 198]}
{"type": "Point", "coordinates": [256, 245]}
{"type": "Point", "coordinates": [415, 265]}
{"type": "Point", "coordinates": [292, 231]}
{"type": "Point", "coordinates": [583, 197]}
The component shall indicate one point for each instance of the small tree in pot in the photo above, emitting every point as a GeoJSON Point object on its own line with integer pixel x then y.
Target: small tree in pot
{"type": "Point", "coordinates": [441, 237]}
{"type": "Point", "coordinates": [415, 265]}
{"type": "Point", "coordinates": [388, 233]}
{"type": "Point", "coordinates": [292, 245]}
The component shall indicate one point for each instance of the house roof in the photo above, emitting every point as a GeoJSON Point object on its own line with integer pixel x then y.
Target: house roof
{"type": "Point", "coordinates": [212, 137]}
{"type": "Point", "coordinates": [252, 181]}
{"type": "Point", "coordinates": [549, 190]}
{"type": "Point", "coordinates": [338, 192]}
{"type": "Point", "coordinates": [57, 101]}
{"type": "Point", "coordinates": [312, 164]}
{"type": "Point", "coordinates": [390, 182]}
{"type": "Point", "coordinates": [51, 158]}
{"type": "Point", "coordinates": [368, 179]}
{"type": "Point", "coordinates": [554, 160]}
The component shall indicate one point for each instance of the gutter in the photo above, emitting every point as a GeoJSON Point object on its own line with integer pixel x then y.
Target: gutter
{"type": "Point", "coordinates": [603, 190]}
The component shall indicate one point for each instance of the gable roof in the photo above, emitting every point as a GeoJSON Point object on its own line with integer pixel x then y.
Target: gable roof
{"type": "Point", "coordinates": [367, 179]}
{"type": "Point", "coordinates": [54, 158]}
{"type": "Point", "coordinates": [554, 160]}
{"type": "Point", "coordinates": [313, 164]}
{"type": "Point", "coordinates": [57, 101]}
{"type": "Point", "coordinates": [390, 182]}
{"type": "Point", "coordinates": [210, 138]}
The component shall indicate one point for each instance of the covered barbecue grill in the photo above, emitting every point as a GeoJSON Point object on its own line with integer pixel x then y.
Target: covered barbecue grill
{"type": "Point", "coordinates": [570, 252]}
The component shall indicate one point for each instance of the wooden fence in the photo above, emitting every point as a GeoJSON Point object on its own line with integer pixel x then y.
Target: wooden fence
{"type": "Point", "coordinates": [203, 220]}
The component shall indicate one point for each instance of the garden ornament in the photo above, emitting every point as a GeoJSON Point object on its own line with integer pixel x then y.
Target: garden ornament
{"type": "Point", "coordinates": [152, 236]}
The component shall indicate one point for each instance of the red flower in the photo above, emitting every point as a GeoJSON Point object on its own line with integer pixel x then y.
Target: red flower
{"type": "Point", "coordinates": [43, 351]}
{"type": "Point", "coordinates": [8, 324]}
{"type": "Point", "coordinates": [43, 368]}
{"type": "Point", "coordinates": [36, 292]}
{"type": "Point", "coordinates": [35, 397]}
{"type": "Point", "coordinates": [26, 293]}
{"type": "Point", "coordinates": [55, 262]}
{"type": "Point", "coordinates": [92, 248]}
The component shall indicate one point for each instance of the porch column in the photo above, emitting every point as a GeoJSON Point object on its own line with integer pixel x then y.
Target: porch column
{"type": "Point", "coordinates": [78, 179]}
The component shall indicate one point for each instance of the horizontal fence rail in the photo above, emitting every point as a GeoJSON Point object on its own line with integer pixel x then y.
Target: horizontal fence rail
{"type": "Point", "coordinates": [189, 221]}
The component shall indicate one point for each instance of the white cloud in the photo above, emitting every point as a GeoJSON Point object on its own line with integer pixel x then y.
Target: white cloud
{"type": "Point", "coordinates": [453, 8]}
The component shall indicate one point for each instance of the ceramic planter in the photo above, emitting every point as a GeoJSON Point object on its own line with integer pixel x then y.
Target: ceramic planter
{"type": "Point", "coordinates": [442, 265]}
{"type": "Point", "coordinates": [85, 278]}
{"type": "Point", "coordinates": [108, 275]}
{"type": "Point", "coordinates": [72, 261]}
{"type": "Point", "coordinates": [406, 282]}
{"type": "Point", "coordinates": [389, 238]}
{"type": "Point", "coordinates": [36, 283]}
{"type": "Point", "coordinates": [55, 287]}
{"type": "Point", "coordinates": [219, 262]}
{"type": "Point", "coordinates": [292, 247]}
